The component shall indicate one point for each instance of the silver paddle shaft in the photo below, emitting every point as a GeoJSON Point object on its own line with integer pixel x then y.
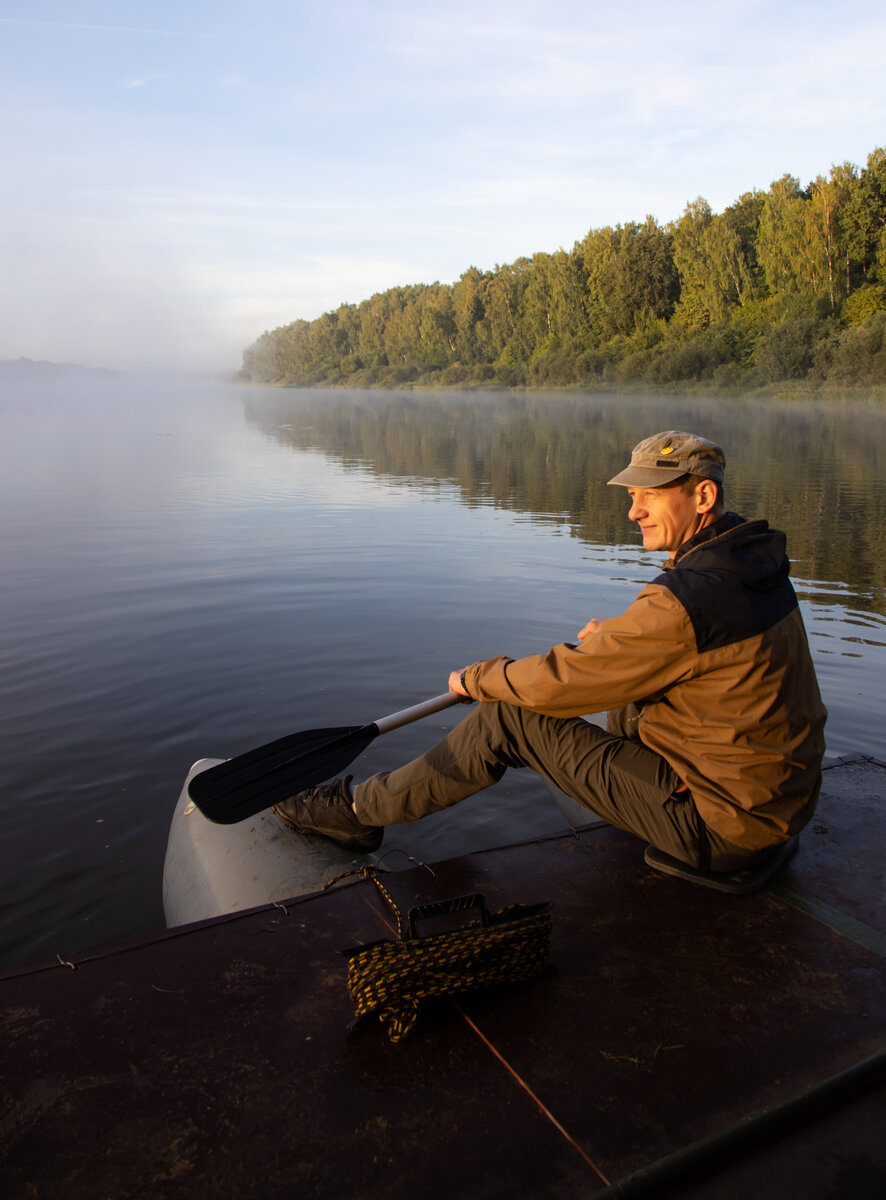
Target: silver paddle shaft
{"type": "Point", "coordinates": [407, 715]}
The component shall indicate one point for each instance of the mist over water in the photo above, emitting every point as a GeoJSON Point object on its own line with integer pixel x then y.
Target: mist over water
{"type": "Point", "coordinates": [191, 570]}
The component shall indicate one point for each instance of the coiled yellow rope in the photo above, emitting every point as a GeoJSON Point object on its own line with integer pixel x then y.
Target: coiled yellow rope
{"type": "Point", "coordinates": [391, 978]}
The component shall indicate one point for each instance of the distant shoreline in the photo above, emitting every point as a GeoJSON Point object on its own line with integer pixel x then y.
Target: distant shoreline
{"type": "Point", "coordinates": [43, 367]}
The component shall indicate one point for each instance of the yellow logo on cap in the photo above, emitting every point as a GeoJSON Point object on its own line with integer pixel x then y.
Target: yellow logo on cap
{"type": "Point", "coordinates": [667, 450]}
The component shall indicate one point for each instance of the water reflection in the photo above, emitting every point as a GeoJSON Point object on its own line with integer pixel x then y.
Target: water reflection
{"type": "Point", "coordinates": [178, 586]}
{"type": "Point", "coordinates": [813, 469]}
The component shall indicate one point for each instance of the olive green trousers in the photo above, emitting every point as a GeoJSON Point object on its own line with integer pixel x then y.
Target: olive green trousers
{"type": "Point", "coordinates": [609, 772]}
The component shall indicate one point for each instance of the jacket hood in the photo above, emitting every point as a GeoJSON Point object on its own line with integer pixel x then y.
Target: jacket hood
{"type": "Point", "coordinates": [749, 550]}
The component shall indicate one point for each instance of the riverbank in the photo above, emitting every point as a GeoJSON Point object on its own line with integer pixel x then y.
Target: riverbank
{"type": "Point", "coordinates": [793, 389]}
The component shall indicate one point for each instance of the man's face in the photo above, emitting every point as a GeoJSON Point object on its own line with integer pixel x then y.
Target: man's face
{"type": "Point", "coordinates": [667, 516]}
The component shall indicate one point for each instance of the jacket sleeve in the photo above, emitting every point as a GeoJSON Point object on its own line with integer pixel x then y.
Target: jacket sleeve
{"type": "Point", "coordinates": [628, 659]}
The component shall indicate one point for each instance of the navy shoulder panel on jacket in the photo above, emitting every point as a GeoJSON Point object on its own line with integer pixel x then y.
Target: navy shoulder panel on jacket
{"type": "Point", "coordinates": [733, 581]}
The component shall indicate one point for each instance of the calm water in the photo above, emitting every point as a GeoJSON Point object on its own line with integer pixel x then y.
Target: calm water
{"type": "Point", "coordinates": [192, 569]}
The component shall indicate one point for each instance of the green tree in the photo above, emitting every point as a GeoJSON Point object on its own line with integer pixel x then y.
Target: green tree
{"type": "Point", "coordinates": [825, 232]}
{"type": "Point", "coordinates": [469, 310]}
{"type": "Point", "coordinates": [437, 328]}
{"type": "Point", "coordinates": [864, 223]}
{"type": "Point", "coordinates": [635, 276]}
{"type": "Point", "coordinates": [782, 237]}
{"type": "Point", "coordinates": [500, 328]}
{"type": "Point", "coordinates": [402, 339]}
{"type": "Point", "coordinates": [371, 342]}
{"type": "Point", "coordinates": [691, 260]}
{"type": "Point", "coordinates": [732, 253]}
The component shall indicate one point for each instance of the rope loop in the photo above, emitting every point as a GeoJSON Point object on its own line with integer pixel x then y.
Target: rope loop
{"type": "Point", "coordinates": [391, 978]}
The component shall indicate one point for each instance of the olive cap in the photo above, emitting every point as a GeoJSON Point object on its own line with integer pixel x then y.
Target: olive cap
{"type": "Point", "coordinates": [664, 457]}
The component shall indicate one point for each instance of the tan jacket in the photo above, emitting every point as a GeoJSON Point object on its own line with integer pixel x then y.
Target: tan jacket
{"type": "Point", "coordinates": [714, 653]}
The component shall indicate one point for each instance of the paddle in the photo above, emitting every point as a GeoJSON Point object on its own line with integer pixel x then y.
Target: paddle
{"type": "Point", "coordinates": [240, 787]}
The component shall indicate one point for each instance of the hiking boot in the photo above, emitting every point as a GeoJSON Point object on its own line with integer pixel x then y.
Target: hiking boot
{"type": "Point", "coordinates": [325, 811]}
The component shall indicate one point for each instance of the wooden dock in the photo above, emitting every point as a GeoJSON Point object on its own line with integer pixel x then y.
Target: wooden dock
{"type": "Point", "coordinates": [683, 1042]}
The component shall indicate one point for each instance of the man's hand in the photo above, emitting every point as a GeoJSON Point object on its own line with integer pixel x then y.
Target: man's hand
{"type": "Point", "coordinates": [592, 626]}
{"type": "Point", "coordinates": [455, 683]}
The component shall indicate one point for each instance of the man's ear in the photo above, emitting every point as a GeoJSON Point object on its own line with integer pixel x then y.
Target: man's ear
{"type": "Point", "coordinates": [706, 496]}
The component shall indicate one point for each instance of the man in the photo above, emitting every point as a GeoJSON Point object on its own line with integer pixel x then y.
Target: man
{"type": "Point", "coordinates": [714, 738]}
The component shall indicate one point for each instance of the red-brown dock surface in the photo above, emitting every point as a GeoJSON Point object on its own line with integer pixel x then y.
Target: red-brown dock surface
{"type": "Point", "coordinates": [683, 1041]}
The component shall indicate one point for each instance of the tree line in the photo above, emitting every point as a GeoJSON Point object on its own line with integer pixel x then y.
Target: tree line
{"type": "Point", "coordinates": [787, 284]}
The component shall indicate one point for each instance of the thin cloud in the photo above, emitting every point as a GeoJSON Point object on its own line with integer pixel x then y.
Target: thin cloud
{"type": "Point", "coordinates": [127, 84]}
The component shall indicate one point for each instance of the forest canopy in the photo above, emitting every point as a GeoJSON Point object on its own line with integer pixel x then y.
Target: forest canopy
{"type": "Point", "coordinates": [788, 284]}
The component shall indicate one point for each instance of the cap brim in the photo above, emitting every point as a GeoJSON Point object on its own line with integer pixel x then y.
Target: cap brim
{"type": "Point", "coordinates": [645, 477]}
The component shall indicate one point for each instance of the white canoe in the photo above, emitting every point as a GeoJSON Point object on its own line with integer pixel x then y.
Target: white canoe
{"type": "Point", "coordinates": [211, 869]}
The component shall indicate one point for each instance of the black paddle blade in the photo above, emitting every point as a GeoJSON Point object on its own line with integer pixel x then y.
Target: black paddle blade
{"type": "Point", "coordinates": [243, 786]}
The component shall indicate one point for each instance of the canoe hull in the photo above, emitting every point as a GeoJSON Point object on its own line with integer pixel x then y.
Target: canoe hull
{"type": "Point", "coordinates": [211, 870]}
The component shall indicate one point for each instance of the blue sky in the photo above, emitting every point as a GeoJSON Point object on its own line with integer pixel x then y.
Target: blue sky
{"type": "Point", "coordinates": [176, 178]}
